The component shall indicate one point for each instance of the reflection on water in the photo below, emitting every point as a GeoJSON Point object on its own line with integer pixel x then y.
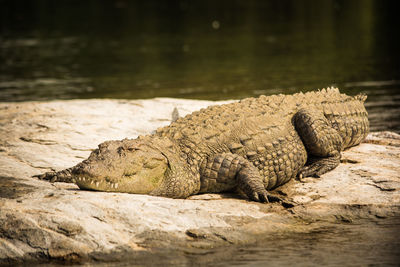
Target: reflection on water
{"type": "Point", "coordinates": [205, 49]}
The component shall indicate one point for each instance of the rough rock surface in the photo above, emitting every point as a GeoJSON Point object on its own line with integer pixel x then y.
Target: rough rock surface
{"type": "Point", "coordinates": [40, 221]}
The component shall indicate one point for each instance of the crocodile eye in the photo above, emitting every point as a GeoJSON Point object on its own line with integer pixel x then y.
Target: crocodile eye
{"type": "Point", "coordinates": [96, 152]}
{"type": "Point", "coordinates": [151, 163]}
{"type": "Point", "coordinates": [120, 150]}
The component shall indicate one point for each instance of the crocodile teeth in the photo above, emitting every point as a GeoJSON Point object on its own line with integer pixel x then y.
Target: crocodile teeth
{"type": "Point", "coordinates": [116, 185]}
{"type": "Point", "coordinates": [97, 184]}
{"type": "Point", "coordinates": [91, 182]}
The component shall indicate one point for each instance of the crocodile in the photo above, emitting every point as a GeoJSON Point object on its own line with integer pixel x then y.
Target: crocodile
{"type": "Point", "coordinates": [251, 146]}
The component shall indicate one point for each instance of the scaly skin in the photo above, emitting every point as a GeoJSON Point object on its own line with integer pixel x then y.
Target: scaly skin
{"type": "Point", "coordinates": [252, 146]}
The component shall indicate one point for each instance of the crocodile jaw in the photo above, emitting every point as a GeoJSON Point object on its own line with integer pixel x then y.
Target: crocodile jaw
{"type": "Point", "coordinates": [122, 166]}
{"type": "Point", "coordinates": [135, 184]}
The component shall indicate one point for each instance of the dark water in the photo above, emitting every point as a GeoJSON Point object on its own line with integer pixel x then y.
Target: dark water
{"type": "Point", "coordinates": [201, 49]}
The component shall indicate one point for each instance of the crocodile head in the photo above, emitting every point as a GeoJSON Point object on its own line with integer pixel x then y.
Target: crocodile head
{"type": "Point", "coordinates": [131, 166]}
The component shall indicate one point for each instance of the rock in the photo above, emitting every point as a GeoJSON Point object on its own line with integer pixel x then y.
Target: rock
{"type": "Point", "coordinates": [40, 221]}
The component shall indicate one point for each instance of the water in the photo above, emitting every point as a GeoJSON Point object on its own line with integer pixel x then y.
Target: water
{"type": "Point", "coordinates": [203, 50]}
{"type": "Point", "coordinates": [215, 50]}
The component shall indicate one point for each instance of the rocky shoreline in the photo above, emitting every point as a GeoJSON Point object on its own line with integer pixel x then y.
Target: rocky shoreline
{"type": "Point", "coordinates": [44, 222]}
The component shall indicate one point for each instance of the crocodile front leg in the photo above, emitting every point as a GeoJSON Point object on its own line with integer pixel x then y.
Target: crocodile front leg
{"type": "Point", "coordinates": [60, 176]}
{"type": "Point", "coordinates": [227, 171]}
{"type": "Point", "coordinates": [323, 143]}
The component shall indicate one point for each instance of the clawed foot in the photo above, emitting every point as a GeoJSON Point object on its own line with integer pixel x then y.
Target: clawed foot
{"type": "Point", "coordinates": [285, 203]}
{"type": "Point", "coordinates": [49, 176]}
{"type": "Point", "coordinates": [319, 166]}
{"type": "Point", "coordinates": [260, 196]}
{"type": "Point", "coordinates": [265, 197]}
{"type": "Point", "coordinates": [61, 176]}
{"type": "Point", "coordinates": [315, 170]}
{"type": "Point", "coordinates": [304, 173]}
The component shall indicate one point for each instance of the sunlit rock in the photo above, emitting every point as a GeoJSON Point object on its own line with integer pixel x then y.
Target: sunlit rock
{"type": "Point", "coordinates": [40, 221]}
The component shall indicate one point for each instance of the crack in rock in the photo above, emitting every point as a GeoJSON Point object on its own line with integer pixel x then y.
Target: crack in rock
{"type": "Point", "coordinates": [38, 141]}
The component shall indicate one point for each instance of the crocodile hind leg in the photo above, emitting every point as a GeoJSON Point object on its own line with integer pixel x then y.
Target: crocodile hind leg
{"type": "Point", "coordinates": [323, 143]}
{"type": "Point", "coordinates": [318, 166]}
{"type": "Point", "coordinates": [226, 171]}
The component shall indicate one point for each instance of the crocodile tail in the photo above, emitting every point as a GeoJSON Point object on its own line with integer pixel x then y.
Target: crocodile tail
{"type": "Point", "coordinates": [361, 97]}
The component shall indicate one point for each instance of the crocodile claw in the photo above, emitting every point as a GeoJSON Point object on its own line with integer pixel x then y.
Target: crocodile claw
{"type": "Point", "coordinates": [265, 197]}
{"type": "Point", "coordinates": [285, 203]}
{"type": "Point", "coordinates": [259, 196]}
{"type": "Point", "coordinates": [61, 176]}
{"type": "Point", "coordinates": [49, 176]}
